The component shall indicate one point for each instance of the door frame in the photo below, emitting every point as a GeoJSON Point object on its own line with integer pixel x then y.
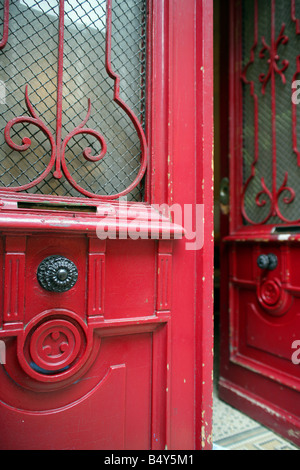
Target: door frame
{"type": "Point", "coordinates": [182, 173]}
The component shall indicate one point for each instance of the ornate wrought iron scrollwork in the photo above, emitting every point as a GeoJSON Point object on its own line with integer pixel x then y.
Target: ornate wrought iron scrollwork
{"type": "Point", "coordinates": [57, 163]}
{"type": "Point", "coordinates": [4, 38]}
{"type": "Point", "coordinates": [57, 274]}
{"type": "Point", "coordinates": [271, 198]}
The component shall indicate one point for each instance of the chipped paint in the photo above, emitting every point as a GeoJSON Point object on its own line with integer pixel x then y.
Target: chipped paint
{"type": "Point", "coordinates": [257, 403]}
{"type": "Point", "coordinates": [210, 439]}
{"type": "Point", "coordinates": [293, 433]}
{"type": "Point", "coordinates": [60, 224]}
{"type": "Point", "coordinates": [283, 236]}
{"type": "Point", "coordinates": [203, 437]}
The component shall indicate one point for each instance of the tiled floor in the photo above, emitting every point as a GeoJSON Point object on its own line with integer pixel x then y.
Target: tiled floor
{"type": "Point", "coordinates": [233, 430]}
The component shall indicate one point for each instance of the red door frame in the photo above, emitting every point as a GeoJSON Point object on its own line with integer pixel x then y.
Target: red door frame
{"type": "Point", "coordinates": [181, 172]}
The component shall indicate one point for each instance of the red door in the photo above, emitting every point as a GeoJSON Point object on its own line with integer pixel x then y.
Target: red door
{"type": "Point", "coordinates": [106, 300]}
{"type": "Point", "coordinates": [260, 314]}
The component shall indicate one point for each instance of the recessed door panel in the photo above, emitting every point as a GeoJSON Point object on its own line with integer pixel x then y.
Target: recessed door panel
{"type": "Point", "coordinates": [116, 389]}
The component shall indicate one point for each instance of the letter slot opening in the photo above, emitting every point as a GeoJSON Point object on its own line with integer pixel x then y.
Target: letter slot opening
{"type": "Point", "coordinates": [57, 207]}
{"type": "Point", "coordinates": [288, 229]}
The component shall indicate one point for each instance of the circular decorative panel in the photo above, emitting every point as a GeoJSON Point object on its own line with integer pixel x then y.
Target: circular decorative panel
{"type": "Point", "coordinates": [55, 344]}
{"type": "Point", "coordinates": [270, 292]}
{"type": "Point", "coordinates": [273, 298]}
{"type": "Point", "coordinates": [57, 274]}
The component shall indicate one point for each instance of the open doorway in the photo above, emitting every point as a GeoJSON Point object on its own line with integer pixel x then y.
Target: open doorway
{"type": "Point", "coordinates": [233, 429]}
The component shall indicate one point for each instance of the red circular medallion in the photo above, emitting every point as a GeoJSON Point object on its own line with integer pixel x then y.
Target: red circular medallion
{"type": "Point", "coordinates": [270, 292]}
{"type": "Point", "coordinates": [55, 344]}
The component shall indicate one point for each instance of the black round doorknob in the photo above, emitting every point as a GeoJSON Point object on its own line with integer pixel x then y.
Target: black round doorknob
{"type": "Point", "coordinates": [57, 274]}
{"type": "Point", "coordinates": [268, 261]}
{"type": "Point", "coordinates": [263, 261]}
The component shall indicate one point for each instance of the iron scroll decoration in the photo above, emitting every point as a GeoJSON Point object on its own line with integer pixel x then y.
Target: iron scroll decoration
{"type": "Point", "coordinates": [277, 66]}
{"type": "Point", "coordinates": [57, 274]}
{"type": "Point", "coordinates": [3, 41]}
{"type": "Point", "coordinates": [57, 161]}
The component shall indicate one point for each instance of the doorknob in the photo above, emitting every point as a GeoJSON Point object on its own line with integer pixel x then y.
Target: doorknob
{"type": "Point", "coordinates": [57, 274]}
{"type": "Point", "coordinates": [224, 196]}
{"type": "Point", "coordinates": [224, 191]}
{"type": "Point", "coordinates": [268, 261]}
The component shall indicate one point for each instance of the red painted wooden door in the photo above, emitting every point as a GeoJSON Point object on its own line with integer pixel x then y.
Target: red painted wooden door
{"type": "Point", "coordinates": [105, 323]}
{"type": "Point", "coordinates": [260, 318]}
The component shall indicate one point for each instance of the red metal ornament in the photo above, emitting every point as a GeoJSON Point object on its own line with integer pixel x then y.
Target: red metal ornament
{"type": "Point", "coordinates": [294, 106]}
{"type": "Point", "coordinates": [5, 25]}
{"type": "Point", "coordinates": [272, 194]}
{"type": "Point", "coordinates": [57, 145]}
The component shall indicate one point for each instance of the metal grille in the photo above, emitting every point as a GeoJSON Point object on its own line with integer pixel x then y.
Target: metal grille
{"type": "Point", "coordinates": [31, 59]}
{"type": "Point", "coordinates": [271, 193]}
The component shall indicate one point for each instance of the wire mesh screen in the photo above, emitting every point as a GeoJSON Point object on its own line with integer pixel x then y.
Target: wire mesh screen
{"type": "Point", "coordinates": [30, 61]}
{"type": "Point", "coordinates": [271, 172]}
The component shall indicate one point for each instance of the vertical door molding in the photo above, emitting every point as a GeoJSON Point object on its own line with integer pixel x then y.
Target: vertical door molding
{"type": "Point", "coordinates": [14, 279]}
{"type": "Point", "coordinates": [164, 276]}
{"type": "Point", "coordinates": [204, 195]}
{"type": "Point", "coordinates": [182, 174]}
{"type": "Point", "coordinates": [96, 278]}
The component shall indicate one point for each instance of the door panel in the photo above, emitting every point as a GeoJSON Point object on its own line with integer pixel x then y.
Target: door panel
{"type": "Point", "coordinates": [68, 362]}
{"type": "Point", "coordinates": [140, 272]}
{"type": "Point", "coordinates": [82, 318]}
{"type": "Point", "coordinates": [260, 311]}
{"type": "Point", "coordinates": [266, 311]}
{"type": "Point", "coordinates": [112, 401]}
